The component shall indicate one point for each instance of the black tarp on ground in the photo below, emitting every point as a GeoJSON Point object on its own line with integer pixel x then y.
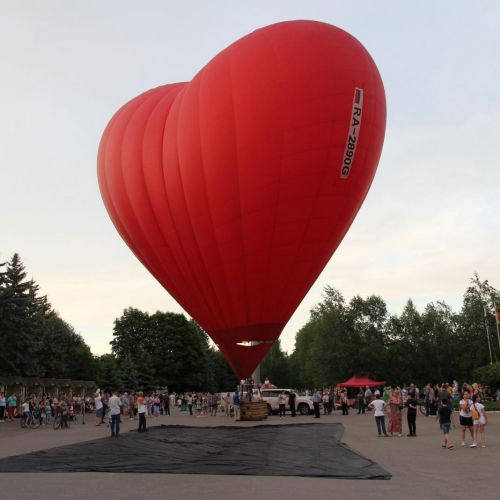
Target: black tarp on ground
{"type": "Point", "coordinates": [311, 450]}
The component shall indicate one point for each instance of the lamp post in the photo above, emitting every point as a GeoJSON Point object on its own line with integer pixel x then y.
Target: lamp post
{"type": "Point", "coordinates": [487, 330]}
{"type": "Point", "coordinates": [497, 321]}
{"type": "Point", "coordinates": [83, 409]}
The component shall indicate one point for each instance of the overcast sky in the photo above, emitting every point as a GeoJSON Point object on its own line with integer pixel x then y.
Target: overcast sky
{"type": "Point", "coordinates": [430, 220]}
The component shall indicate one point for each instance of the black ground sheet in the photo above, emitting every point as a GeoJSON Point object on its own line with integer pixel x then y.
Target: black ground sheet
{"type": "Point", "coordinates": [312, 450]}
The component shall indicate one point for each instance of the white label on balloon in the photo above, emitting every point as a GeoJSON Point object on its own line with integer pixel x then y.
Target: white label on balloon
{"type": "Point", "coordinates": [353, 135]}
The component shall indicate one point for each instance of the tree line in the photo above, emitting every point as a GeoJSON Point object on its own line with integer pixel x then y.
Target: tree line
{"type": "Point", "coordinates": [148, 351]}
{"type": "Point", "coordinates": [34, 340]}
{"type": "Point", "coordinates": [341, 338]}
{"type": "Point", "coordinates": [360, 337]}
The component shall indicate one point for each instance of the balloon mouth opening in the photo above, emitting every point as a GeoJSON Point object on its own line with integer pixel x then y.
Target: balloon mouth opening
{"type": "Point", "coordinates": [253, 343]}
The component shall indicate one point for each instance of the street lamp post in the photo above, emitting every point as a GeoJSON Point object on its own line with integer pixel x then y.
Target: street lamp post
{"type": "Point", "coordinates": [487, 331]}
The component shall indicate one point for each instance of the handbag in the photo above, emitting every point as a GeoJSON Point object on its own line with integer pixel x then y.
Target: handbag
{"type": "Point", "coordinates": [475, 413]}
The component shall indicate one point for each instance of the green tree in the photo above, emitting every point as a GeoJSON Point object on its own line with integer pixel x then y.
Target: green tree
{"type": "Point", "coordinates": [133, 350]}
{"type": "Point", "coordinates": [107, 373]}
{"type": "Point", "coordinates": [63, 353]}
{"type": "Point", "coordinates": [275, 366]}
{"type": "Point", "coordinates": [20, 322]}
{"type": "Point", "coordinates": [326, 347]}
{"type": "Point", "coordinates": [221, 377]}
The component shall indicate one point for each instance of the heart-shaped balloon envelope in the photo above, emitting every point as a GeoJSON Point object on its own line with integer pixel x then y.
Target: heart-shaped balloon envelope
{"type": "Point", "coordinates": [235, 189]}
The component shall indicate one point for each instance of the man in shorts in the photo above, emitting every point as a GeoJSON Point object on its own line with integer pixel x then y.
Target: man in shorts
{"type": "Point", "coordinates": [466, 417]}
{"type": "Point", "coordinates": [445, 417]}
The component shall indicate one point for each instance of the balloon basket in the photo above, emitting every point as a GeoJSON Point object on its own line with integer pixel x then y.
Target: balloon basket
{"type": "Point", "coordinates": [253, 411]}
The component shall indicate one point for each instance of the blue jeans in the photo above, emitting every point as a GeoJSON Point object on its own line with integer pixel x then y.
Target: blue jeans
{"type": "Point", "coordinates": [380, 421]}
{"type": "Point", "coordinates": [115, 425]}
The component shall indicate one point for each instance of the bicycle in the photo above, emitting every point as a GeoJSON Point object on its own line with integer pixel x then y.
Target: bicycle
{"type": "Point", "coordinates": [32, 421]}
{"type": "Point", "coordinates": [427, 409]}
{"type": "Point", "coordinates": [58, 421]}
{"type": "Point", "coordinates": [73, 417]}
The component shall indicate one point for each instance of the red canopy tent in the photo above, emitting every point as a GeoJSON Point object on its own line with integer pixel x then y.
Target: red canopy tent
{"type": "Point", "coordinates": [357, 381]}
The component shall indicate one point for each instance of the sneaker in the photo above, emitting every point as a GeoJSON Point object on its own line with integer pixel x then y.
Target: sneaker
{"type": "Point", "coordinates": [473, 445]}
{"type": "Point", "coordinates": [483, 446]}
{"type": "Point", "coordinates": [462, 444]}
{"type": "Point", "coordinates": [450, 447]}
{"type": "Point", "coordinates": [443, 446]}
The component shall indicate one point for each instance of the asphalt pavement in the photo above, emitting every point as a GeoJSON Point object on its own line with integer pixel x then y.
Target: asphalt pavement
{"type": "Point", "coordinates": [420, 468]}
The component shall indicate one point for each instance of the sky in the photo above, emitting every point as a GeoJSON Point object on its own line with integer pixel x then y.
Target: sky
{"type": "Point", "coordinates": [430, 220]}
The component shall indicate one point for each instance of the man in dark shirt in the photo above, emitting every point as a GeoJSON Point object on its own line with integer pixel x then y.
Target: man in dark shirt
{"type": "Point", "coordinates": [445, 394]}
{"type": "Point", "coordinates": [411, 404]}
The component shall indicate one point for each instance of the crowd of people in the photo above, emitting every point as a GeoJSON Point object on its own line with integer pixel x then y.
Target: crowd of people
{"type": "Point", "coordinates": [43, 408]}
{"type": "Point", "coordinates": [439, 401]}
{"type": "Point", "coordinates": [386, 403]}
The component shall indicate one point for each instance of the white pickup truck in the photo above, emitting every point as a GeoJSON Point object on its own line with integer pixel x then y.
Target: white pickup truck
{"type": "Point", "coordinates": [303, 404]}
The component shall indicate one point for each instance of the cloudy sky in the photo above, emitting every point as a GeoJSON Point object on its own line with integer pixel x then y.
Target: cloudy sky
{"type": "Point", "coordinates": [432, 216]}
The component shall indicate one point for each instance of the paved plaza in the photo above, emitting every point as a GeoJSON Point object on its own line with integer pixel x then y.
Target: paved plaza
{"type": "Point", "coordinates": [419, 466]}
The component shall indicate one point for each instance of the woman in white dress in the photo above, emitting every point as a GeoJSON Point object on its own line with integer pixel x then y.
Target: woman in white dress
{"type": "Point", "coordinates": [480, 421]}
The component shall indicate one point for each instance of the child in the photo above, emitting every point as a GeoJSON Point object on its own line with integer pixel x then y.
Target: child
{"type": "Point", "coordinates": [479, 423]}
{"type": "Point", "coordinates": [26, 410]}
{"type": "Point", "coordinates": [445, 417]}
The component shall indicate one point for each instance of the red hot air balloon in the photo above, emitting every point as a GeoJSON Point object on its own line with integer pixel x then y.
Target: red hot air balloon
{"type": "Point", "coordinates": [236, 188]}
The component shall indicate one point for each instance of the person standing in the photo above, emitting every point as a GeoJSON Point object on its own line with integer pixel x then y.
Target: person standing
{"type": "Point", "coordinates": [131, 406]}
{"type": "Point", "coordinates": [105, 407]}
{"type": "Point", "coordinates": [344, 402]}
{"type": "Point", "coordinates": [316, 403]}
{"type": "Point", "coordinates": [361, 401]}
{"type": "Point", "coordinates": [411, 415]}
{"type": "Point", "coordinates": [325, 399]}
{"type": "Point", "coordinates": [386, 395]}
{"type": "Point", "coordinates": [189, 401]}
{"type": "Point", "coordinates": [11, 405]}
{"type": "Point", "coordinates": [331, 400]}
{"type": "Point", "coordinates": [3, 406]}
{"type": "Point", "coordinates": [227, 404]}
{"type": "Point", "coordinates": [166, 405]}
{"type": "Point", "coordinates": [466, 417]}
{"type": "Point", "coordinates": [480, 420]}
{"type": "Point", "coordinates": [99, 409]}
{"type": "Point", "coordinates": [282, 403]}
{"type": "Point", "coordinates": [378, 405]}
{"type": "Point", "coordinates": [141, 411]}
{"type": "Point", "coordinates": [236, 406]}
{"type": "Point", "coordinates": [291, 402]}
{"type": "Point", "coordinates": [115, 410]}
{"type": "Point", "coordinates": [445, 417]}
{"type": "Point", "coordinates": [125, 403]}
{"type": "Point", "coordinates": [444, 393]}
{"type": "Point", "coordinates": [368, 395]}
{"type": "Point", "coordinates": [395, 422]}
